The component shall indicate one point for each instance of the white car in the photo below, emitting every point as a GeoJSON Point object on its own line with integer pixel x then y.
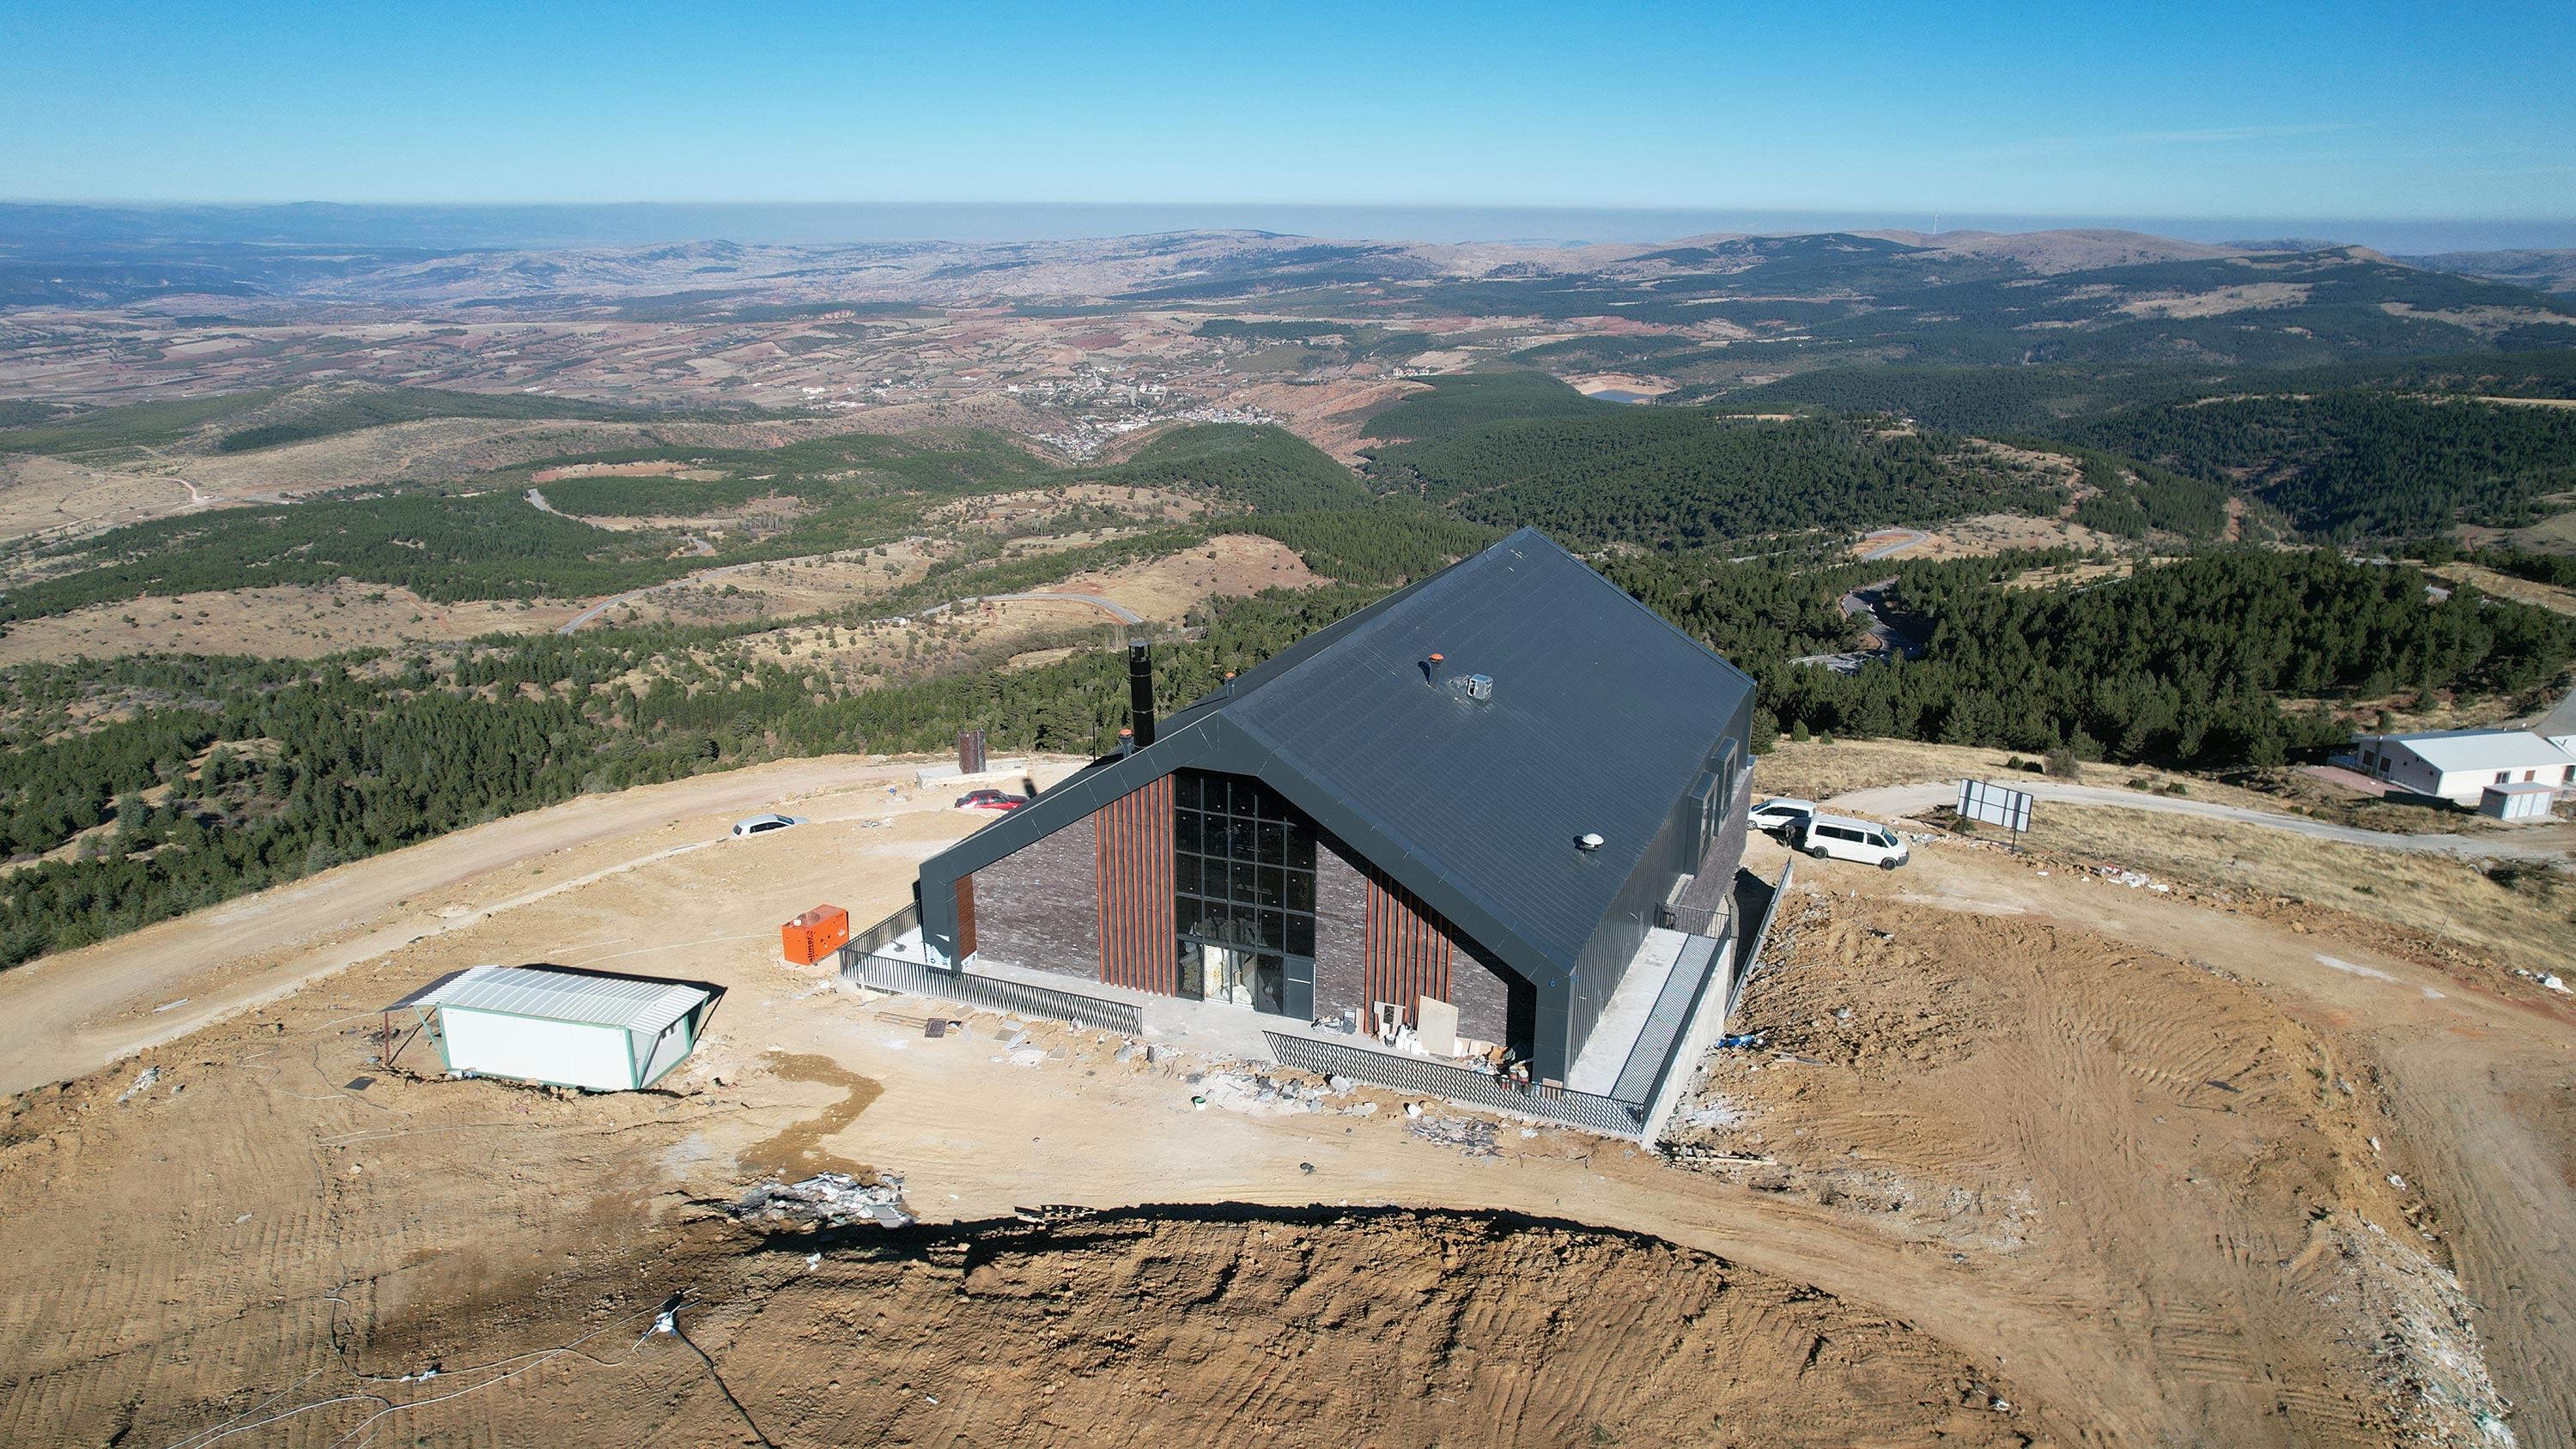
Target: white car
{"type": "Point", "coordinates": [1776, 816]}
{"type": "Point", "coordinates": [763, 824]}
{"type": "Point", "coordinates": [1836, 837]}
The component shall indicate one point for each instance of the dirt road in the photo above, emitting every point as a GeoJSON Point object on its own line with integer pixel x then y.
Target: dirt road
{"type": "Point", "coordinates": [1891, 801]}
{"type": "Point", "coordinates": [65, 1015]}
{"type": "Point", "coordinates": [2083, 1227]}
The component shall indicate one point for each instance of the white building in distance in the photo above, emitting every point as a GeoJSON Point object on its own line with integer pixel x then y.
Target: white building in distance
{"type": "Point", "coordinates": [2460, 764]}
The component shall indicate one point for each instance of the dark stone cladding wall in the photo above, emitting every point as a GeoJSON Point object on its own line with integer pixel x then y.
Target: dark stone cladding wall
{"type": "Point", "coordinates": [1039, 907]}
{"type": "Point", "coordinates": [1482, 991]}
{"type": "Point", "coordinates": [1341, 931]}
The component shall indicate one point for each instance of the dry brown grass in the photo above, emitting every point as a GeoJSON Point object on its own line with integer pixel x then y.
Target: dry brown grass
{"type": "Point", "coordinates": [1819, 771]}
{"type": "Point", "coordinates": [2506, 586]}
{"type": "Point", "coordinates": [2517, 916]}
{"type": "Point", "coordinates": [291, 622]}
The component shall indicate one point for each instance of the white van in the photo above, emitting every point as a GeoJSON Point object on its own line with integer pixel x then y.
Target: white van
{"type": "Point", "coordinates": [1836, 837]}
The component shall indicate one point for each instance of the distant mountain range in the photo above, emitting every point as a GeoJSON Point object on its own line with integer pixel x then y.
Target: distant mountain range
{"type": "Point", "coordinates": [70, 233]}
{"type": "Point", "coordinates": [1960, 297]}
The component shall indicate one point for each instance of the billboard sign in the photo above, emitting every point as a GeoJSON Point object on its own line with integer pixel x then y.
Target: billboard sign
{"type": "Point", "coordinates": [1994, 804]}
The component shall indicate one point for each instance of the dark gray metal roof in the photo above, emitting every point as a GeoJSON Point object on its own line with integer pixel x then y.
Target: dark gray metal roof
{"type": "Point", "coordinates": [1602, 715]}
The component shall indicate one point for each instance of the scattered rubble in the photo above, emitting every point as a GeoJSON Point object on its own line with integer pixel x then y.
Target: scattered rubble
{"type": "Point", "coordinates": [825, 1200]}
{"type": "Point", "coordinates": [1236, 1090]}
{"type": "Point", "coordinates": [1471, 1135]}
{"type": "Point", "coordinates": [142, 1083]}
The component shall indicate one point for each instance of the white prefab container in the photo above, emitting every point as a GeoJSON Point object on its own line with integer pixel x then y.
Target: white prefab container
{"type": "Point", "coordinates": [2518, 801]}
{"type": "Point", "coordinates": [562, 1028]}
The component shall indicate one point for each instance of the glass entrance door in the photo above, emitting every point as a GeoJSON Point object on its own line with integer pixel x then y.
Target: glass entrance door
{"type": "Point", "coordinates": [1233, 974]}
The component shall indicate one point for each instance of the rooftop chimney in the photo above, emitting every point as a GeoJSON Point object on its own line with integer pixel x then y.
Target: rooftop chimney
{"type": "Point", "coordinates": [1431, 670]}
{"type": "Point", "coordinates": [1140, 691]}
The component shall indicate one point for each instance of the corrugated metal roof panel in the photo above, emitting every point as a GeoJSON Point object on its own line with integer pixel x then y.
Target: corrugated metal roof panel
{"type": "Point", "coordinates": [2448, 750]}
{"type": "Point", "coordinates": [1601, 716]}
{"type": "Point", "coordinates": [623, 1002]}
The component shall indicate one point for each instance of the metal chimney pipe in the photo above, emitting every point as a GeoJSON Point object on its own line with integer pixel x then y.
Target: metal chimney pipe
{"type": "Point", "coordinates": [1140, 691]}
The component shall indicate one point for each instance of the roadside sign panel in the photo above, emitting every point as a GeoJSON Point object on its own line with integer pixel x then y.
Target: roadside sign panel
{"type": "Point", "coordinates": [1994, 804]}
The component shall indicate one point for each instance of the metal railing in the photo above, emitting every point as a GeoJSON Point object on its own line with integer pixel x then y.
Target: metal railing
{"type": "Point", "coordinates": [886, 932]}
{"type": "Point", "coordinates": [1660, 1041]}
{"type": "Point", "coordinates": [1752, 962]}
{"type": "Point", "coordinates": [888, 973]}
{"type": "Point", "coordinates": [1439, 1079]}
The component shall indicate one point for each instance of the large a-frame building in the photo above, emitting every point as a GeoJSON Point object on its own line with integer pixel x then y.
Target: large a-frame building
{"type": "Point", "coordinates": [1484, 789]}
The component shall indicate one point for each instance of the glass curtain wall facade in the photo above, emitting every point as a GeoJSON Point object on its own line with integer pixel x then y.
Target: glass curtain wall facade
{"type": "Point", "coordinates": [1243, 888]}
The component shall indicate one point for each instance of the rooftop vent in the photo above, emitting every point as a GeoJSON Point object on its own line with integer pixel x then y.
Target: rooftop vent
{"type": "Point", "coordinates": [1480, 686]}
{"type": "Point", "coordinates": [1587, 841]}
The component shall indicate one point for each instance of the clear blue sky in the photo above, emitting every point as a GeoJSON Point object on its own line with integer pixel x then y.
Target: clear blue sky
{"type": "Point", "coordinates": [2181, 110]}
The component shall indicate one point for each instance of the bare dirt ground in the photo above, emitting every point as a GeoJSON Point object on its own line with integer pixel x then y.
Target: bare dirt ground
{"type": "Point", "coordinates": [1232, 564]}
{"type": "Point", "coordinates": [40, 495]}
{"type": "Point", "coordinates": [2119, 1161]}
{"type": "Point", "coordinates": [1992, 533]}
{"type": "Point", "coordinates": [1163, 590]}
{"type": "Point", "coordinates": [786, 591]}
{"type": "Point", "coordinates": [2212, 1171]}
{"type": "Point", "coordinates": [65, 1014]}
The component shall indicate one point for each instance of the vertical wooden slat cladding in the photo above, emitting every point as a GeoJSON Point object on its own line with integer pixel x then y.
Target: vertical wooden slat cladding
{"type": "Point", "coordinates": [1136, 928]}
{"type": "Point", "coordinates": [965, 916]}
{"type": "Point", "coordinates": [1408, 954]}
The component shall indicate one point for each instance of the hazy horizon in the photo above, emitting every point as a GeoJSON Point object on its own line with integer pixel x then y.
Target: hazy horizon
{"type": "Point", "coordinates": [539, 225]}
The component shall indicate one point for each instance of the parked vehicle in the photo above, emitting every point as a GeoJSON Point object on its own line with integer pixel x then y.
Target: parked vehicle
{"type": "Point", "coordinates": [762, 825]}
{"type": "Point", "coordinates": [1835, 837]}
{"type": "Point", "coordinates": [990, 800]}
{"type": "Point", "coordinates": [1782, 816]}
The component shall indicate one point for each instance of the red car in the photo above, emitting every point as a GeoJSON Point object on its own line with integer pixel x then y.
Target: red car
{"type": "Point", "coordinates": [990, 800]}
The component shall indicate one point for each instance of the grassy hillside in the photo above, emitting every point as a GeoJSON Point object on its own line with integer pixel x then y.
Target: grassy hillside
{"type": "Point", "coordinates": [355, 411]}
{"type": "Point", "coordinates": [489, 546]}
{"type": "Point", "coordinates": [1474, 399]}
{"type": "Point", "coordinates": [1685, 477]}
{"type": "Point", "coordinates": [273, 417]}
{"type": "Point", "coordinates": [138, 425]}
{"type": "Point", "coordinates": [1268, 468]}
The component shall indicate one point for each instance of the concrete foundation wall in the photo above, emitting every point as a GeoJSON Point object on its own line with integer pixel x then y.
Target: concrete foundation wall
{"type": "Point", "coordinates": [1039, 907]}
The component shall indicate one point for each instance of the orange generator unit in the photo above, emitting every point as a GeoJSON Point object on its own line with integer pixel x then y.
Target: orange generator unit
{"type": "Point", "coordinates": [816, 934]}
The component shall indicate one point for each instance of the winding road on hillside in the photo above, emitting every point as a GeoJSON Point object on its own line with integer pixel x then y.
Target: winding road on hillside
{"type": "Point", "coordinates": [1889, 801]}
{"type": "Point", "coordinates": [1899, 540]}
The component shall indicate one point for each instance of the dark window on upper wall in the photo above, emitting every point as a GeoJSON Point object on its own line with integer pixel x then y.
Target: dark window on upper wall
{"type": "Point", "coordinates": [1243, 864]}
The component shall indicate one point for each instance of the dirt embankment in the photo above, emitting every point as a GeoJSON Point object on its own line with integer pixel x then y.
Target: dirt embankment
{"type": "Point", "coordinates": [2150, 1139]}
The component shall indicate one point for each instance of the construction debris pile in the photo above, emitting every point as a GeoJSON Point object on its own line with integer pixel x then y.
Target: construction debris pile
{"type": "Point", "coordinates": [1237, 1090]}
{"type": "Point", "coordinates": [1471, 1135]}
{"type": "Point", "coordinates": [825, 1200]}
